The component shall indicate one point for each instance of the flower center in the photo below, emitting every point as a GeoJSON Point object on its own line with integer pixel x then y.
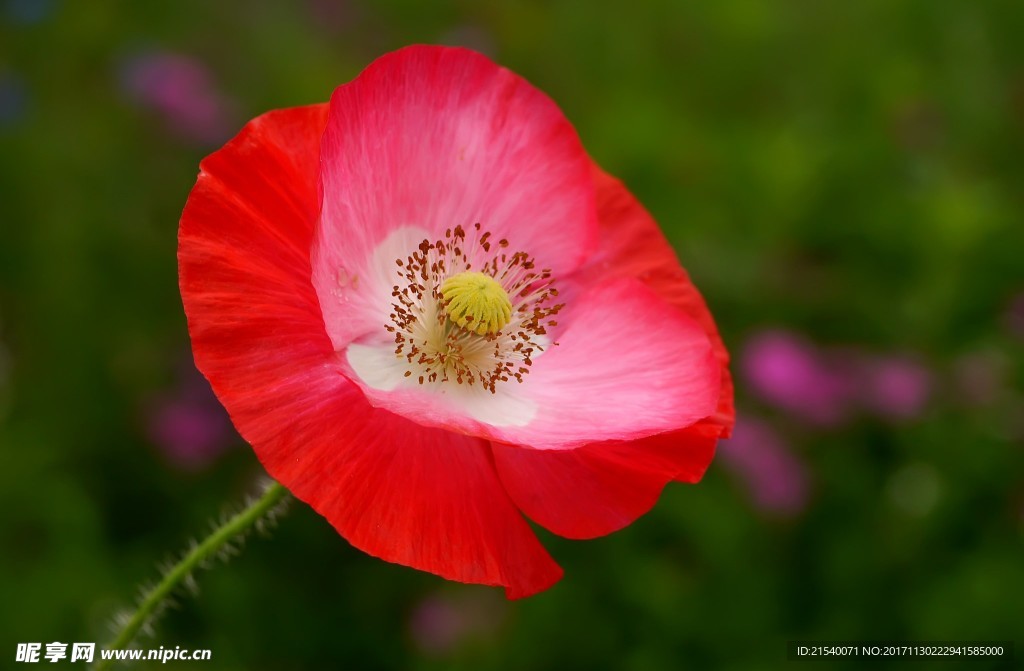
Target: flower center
{"type": "Point", "coordinates": [475, 301]}
{"type": "Point", "coordinates": [469, 312]}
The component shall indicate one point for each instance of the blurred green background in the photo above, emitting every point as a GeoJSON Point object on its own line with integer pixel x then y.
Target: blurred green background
{"type": "Point", "coordinates": [844, 181]}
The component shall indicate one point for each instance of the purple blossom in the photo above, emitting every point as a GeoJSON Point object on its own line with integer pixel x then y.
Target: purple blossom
{"type": "Point", "coordinates": [895, 387]}
{"type": "Point", "coordinates": [825, 386]}
{"type": "Point", "coordinates": [777, 480]}
{"type": "Point", "coordinates": [181, 90]}
{"type": "Point", "coordinates": [188, 424]}
{"type": "Point", "coordinates": [441, 622]}
{"type": "Point", "coordinates": [791, 373]}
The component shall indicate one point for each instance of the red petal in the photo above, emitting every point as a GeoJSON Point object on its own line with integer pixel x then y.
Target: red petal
{"type": "Point", "coordinates": [599, 488]}
{"type": "Point", "coordinates": [602, 487]}
{"type": "Point", "coordinates": [243, 257]}
{"type": "Point", "coordinates": [631, 244]}
{"type": "Point", "coordinates": [426, 498]}
{"type": "Point", "coordinates": [416, 496]}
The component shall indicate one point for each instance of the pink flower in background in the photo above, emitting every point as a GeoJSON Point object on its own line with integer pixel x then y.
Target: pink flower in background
{"type": "Point", "coordinates": [776, 479]}
{"type": "Point", "coordinates": [825, 386]}
{"type": "Point", "coordinates": [188, 424]}
{"type": "Point", "coordinates": [181, 90]}
{"type": "Point", "coordinates": [791, 373]}
{"type": "Point", "coordinates": [440, 623]}
{"type": "Point", "coordinates": [895, 387]}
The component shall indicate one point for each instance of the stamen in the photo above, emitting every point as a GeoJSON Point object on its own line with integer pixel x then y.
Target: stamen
{"type": "Point", "coordinates": [466, 315]}
{"type": "Point", "coordinates": [475, 301]}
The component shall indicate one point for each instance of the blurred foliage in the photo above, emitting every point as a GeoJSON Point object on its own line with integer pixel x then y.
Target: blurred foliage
{"type": "Point", "coordinates": [851, 171]}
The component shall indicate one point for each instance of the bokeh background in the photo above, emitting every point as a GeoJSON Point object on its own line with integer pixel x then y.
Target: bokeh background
{"type": "Point", "coordinates": [844, 181]}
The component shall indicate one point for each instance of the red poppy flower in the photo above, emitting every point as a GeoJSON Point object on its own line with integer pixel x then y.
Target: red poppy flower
{"type": "Point", "coordinates": [429, 312]}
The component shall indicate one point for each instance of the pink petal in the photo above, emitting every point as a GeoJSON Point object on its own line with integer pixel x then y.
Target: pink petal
{"type": "Point", "coordinates": [627, 365]}
{"type": "Point", "coordinates": [896, 387]}
{"type": "Point", "coordinates": [602, 487]}
{"type": "Point", "coordinates": [794, 374]}
{"type": "Point", "coordinates": [777, 479]}
{"type": "Point", "coordinates": [433, 137]}
{"type": "Point", "coordinates": [416, 496]}
{"type": "Point", "coordinates": [632, 245]}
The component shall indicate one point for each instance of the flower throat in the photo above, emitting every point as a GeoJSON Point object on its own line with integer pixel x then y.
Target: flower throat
{"type": "Point", "coordinates": [466, 315]}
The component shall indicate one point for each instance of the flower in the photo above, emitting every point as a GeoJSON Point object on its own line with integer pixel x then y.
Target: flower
{"type": "Point", "coordinates": [429, 312]}
{"type": "Point", "coordinates": [791, 373]}
{"type": "Point", "coordinates": [182, 91]}
{"type": "Point", "coordinates": [442, 622]}
{"type": "Point", "coordinates": [775, 477]}
{"type": "Point", "coordinates": [824, 386]}
{"type": "Point", "coordinates": [188, 424]}
{"type": "Point", "coordinates": [896, 386]}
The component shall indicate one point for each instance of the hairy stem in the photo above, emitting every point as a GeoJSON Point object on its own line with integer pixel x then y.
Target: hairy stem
{"type": "Point", "coordinates": [234, 528]}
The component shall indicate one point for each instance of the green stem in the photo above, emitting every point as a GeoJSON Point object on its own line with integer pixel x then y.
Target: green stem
{"type": "Point", "coordinates": [236, 526]}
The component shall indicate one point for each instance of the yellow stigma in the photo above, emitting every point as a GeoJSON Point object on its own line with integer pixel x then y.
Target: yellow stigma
{"type": "Point", "coordinates": [476, 302]}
